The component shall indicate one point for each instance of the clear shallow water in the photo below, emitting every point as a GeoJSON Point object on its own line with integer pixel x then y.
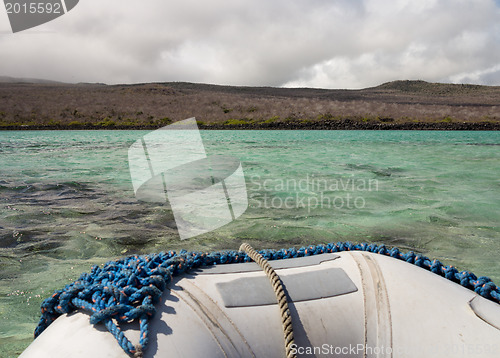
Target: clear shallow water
{"type": "Point", "coordinates": [66, 203]}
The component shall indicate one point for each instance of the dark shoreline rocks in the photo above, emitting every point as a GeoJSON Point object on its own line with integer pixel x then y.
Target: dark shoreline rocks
{"type": "Point", "coordinates": [354, 125]}
{"type": "Point", "coordinates": [316, 125]}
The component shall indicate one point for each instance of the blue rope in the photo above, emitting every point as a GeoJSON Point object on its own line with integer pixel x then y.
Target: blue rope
{"type": "Point", "coordinates": [127, 290]}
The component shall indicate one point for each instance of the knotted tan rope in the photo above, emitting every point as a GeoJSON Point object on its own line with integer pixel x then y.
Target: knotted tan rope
{"type": "Point", "coordinates": [138, 353]}
{"type": "Point", "coordinates": [286, 317]}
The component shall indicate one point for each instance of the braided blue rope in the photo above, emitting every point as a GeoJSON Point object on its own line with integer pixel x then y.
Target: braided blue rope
{"type": "Point", "coordinates": [127, 290]}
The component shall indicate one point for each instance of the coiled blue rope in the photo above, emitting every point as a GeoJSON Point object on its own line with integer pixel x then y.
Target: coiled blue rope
{"type": "Point", "coordinates": [127, 290]}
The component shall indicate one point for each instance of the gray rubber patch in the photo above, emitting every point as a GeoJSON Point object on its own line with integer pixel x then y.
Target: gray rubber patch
{"type": "Point", "coordinates": [277, 264]}
{"type": "Point", "coordinates": [304, 286]}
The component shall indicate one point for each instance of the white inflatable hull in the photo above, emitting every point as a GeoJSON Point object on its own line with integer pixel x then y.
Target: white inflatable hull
{"type": "Point", "coordinates": [349, 304]}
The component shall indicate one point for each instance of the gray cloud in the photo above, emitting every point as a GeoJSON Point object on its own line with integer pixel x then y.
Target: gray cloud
{"type": "Point", "coordinates": [313, 43]}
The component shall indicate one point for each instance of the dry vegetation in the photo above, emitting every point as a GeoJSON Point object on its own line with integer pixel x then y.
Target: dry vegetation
{"type": "Point", "coordinates": [52, 105]}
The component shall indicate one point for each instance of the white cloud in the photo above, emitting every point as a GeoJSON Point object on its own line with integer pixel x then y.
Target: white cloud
{"type": "Point", "coordinates": [489, 76]}
{"type": "Point", "coordinates": [314, 43]}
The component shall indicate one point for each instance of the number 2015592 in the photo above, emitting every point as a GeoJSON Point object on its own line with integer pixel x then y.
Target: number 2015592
{"type": "Point", "coordinates": [33, 8]}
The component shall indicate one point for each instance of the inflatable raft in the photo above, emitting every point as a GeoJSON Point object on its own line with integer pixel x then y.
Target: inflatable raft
{"type": "Point", "coordinates": [344, 300]}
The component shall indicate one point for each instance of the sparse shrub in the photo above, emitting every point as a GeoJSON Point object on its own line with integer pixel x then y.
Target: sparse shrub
{"type": "Point", "coordinates": [225, 109]}
{"type": "Point", "coordinates": [326, 117]}
{"type": "Point", "coordinates": [129, 123]}
{"type": "Point", "coordinates": [272, 119]}
{"type": "Point", "coordinates": [164, 121]}
{"type": "Point", "coordinates": [106, 122]}
{"type": "Point", "coordinates": [235, 122]}
{"type": "Point", "coordinates": [53, 122]}
{"type": "Point", "coordinates": [385, 119]}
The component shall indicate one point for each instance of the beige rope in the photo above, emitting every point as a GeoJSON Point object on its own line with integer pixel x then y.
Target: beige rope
{"type": "Point", "coordinates": [286, 317]}
{"type": "Point", "coordinates": [138, 351]}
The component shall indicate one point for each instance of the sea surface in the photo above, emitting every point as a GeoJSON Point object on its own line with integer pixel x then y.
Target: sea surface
{"type": "Point", "coordinates": [67, 203]}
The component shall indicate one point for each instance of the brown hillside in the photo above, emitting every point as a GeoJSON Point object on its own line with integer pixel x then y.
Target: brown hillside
{"type": "Point", "coordinates": [56, 105]}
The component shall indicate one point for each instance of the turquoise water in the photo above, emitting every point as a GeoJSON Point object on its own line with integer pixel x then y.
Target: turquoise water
{"type": "Point", "coordinates": [66, 203]}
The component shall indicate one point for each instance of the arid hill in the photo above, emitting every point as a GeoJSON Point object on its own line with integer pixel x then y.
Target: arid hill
{"type": "Point", "coordinates": [399, 105]}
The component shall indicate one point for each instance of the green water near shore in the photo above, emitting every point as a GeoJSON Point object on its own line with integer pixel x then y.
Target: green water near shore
{"type": "Point", "coordinates": [66, 203]}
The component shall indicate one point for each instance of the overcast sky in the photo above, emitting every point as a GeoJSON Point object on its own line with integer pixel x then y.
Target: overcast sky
{"type": "Point", "coordinates": [306, 43]}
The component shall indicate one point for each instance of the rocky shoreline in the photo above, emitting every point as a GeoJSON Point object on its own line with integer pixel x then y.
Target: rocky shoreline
{"type": "Point", "coordinates": [317, 125]}
{"type": "Point", "coordinates": [353, 125]}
